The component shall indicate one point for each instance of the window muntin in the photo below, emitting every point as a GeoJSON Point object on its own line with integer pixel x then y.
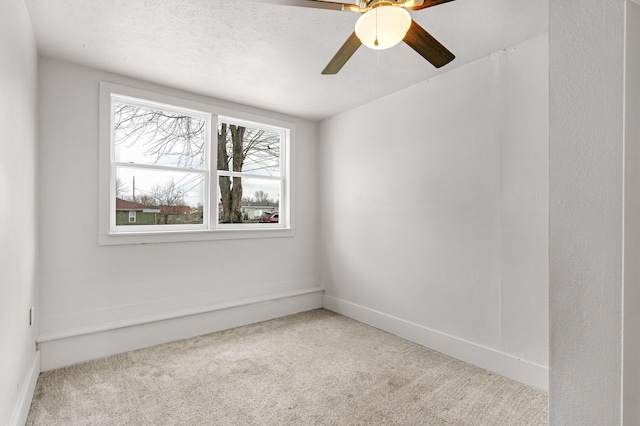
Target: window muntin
{"type": "Point", "coordinates": [262, 172]}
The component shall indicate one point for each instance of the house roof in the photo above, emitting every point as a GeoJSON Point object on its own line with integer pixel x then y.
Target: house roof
{"type": "Point", "coordinates": [132, 205]}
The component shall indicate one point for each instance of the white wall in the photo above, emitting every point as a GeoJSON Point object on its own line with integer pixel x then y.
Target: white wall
{"type": "Point", "coordinates": [586, 83]}
{"type": "Point", "coordinates": [434, 212]}
{"type": "Point", "coordinates": [631, 338]}
{"type": "Point", "coordinates": [86, 287]}
{"type": "Point", "coordinates": [18, 230]}
{"type": "Point", "coordinates": [522, 124]}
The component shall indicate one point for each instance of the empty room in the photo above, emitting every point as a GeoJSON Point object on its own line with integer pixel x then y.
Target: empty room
{"type": "Point", "coordinates": [262, 212]}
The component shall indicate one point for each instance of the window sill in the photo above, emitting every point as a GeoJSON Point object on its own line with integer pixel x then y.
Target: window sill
{"type": "Point", "coordinates": [191, 236]}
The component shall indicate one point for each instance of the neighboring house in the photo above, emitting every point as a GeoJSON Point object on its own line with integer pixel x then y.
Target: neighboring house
{"type": "Point", "coordinates": [175, 210]}
{"type": "Point", "coordinates": [132, 213]}
{"type": "Point", "coordinates": [252, 213]}
{"type": "Point", "coordinates": [175, 214]}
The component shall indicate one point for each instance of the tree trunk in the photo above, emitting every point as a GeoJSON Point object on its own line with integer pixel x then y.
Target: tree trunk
{"type": "Point", "coordinates": [231, 195]}
{"type": "Point", "coordinates": [237, 138]}
{"type": "Point", "coordinates": [224, 181]}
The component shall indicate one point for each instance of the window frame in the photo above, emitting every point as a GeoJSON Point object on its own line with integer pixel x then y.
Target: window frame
{"type": "Point", "coordinates": [210, 230]}
{"type": "Point", "coordinates": [284, 136]}
{"type": "Point", "coordinates": [114, 228]}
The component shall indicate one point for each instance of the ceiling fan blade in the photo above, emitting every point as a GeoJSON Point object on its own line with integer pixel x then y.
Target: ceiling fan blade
{"type": "Point", "coordinates": [423, 4]}
{"type": "Point", "coordinates": [427, 46]}
{"type": "Point", "coordinates": [316, 4]}
{"type": "Point", "coordinates": [342, 56]}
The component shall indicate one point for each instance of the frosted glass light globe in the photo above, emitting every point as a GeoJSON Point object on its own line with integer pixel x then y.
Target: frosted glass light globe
{"type": "Point", "coordinates": [383, 27]}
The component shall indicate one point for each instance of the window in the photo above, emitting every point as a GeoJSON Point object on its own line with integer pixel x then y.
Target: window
{"type": "Point", "coordinates": [160, 154]}
{"type": "Point", "coordinates": [250, 176]}
{"type": "Point", "coordinates": [183, 168]}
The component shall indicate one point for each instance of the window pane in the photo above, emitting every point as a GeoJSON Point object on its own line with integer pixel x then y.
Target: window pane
{"type": "Point", "coordinates": [248, 200]}
{"type": "Point", "coordinates": [155, 137]}
{"type": "Point", "coordinates": [249, 150]}
{"type": "Point", "coordinates": [158, 197]}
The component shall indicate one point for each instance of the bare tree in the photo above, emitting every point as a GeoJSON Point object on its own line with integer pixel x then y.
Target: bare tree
{"type": "Point", "coordinates": [170, 199]}
{"type": "Point", "coordinates": [262, 198]}
{"type": "Point", "coordinates": [162, 134]}
{"type": "Point", "coordinates": [147, 200]}
{"type": "Point", "coordinates": [121, 188]}
{"type": "Point", "coordinates": [230, 187]}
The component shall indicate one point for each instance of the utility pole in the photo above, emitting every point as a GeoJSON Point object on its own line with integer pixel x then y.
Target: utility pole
{"type": "Point", "coordinates": [134, 189]}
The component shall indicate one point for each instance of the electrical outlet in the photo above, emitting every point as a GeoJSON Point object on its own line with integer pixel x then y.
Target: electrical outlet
{"type": "Point", "coordinates": [31, 313]}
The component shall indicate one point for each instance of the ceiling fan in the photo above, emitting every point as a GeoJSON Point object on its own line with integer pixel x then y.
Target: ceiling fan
{"type": "Point", "coordinates": [383, 24]}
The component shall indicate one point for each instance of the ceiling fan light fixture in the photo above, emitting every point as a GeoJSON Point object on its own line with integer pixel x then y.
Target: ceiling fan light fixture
{"type": "Point", "coordinates": [383, 27]}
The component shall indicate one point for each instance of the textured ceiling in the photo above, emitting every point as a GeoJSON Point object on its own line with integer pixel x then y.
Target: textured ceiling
{"type": "Point", "coordinates": [265, 55]}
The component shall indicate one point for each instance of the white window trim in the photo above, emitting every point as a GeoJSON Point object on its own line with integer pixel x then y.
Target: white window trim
{"type": "Point", "coordinates": [114, 229]}
{"type": "Point", "coordinates": [285, 137]}
{"type": "Point", "coordinates": [214, 231]}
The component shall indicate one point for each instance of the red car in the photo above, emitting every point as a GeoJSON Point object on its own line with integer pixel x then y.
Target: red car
{"type": "Point", "coordinates": [271, 218]}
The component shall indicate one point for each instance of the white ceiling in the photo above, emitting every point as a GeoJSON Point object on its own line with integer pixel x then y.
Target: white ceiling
{"type": "Point", "coordinates": [265, 55]}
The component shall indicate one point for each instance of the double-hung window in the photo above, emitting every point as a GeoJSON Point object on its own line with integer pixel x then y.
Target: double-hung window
{"type": "Point", "coordinates": [159, 167]}
{"type": "Point", "coordinates": [249, 173]}
{"type": "Point", "coordinates": [180, 170]}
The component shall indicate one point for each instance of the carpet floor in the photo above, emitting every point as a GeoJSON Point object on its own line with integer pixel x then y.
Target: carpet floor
{"type": "Point", "coordinates": [313, 368]}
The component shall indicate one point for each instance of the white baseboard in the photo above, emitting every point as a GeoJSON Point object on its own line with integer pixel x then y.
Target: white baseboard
{"type": "Point", "coordinates": [28, 388]}
{"type": "Point", "coordinates": [504, 364]}
{"type": "Point", "coordinates": [67, 347]}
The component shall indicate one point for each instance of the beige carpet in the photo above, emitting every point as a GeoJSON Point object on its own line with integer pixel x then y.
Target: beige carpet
{"type": "Point", "coordinates": [314, 368]}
